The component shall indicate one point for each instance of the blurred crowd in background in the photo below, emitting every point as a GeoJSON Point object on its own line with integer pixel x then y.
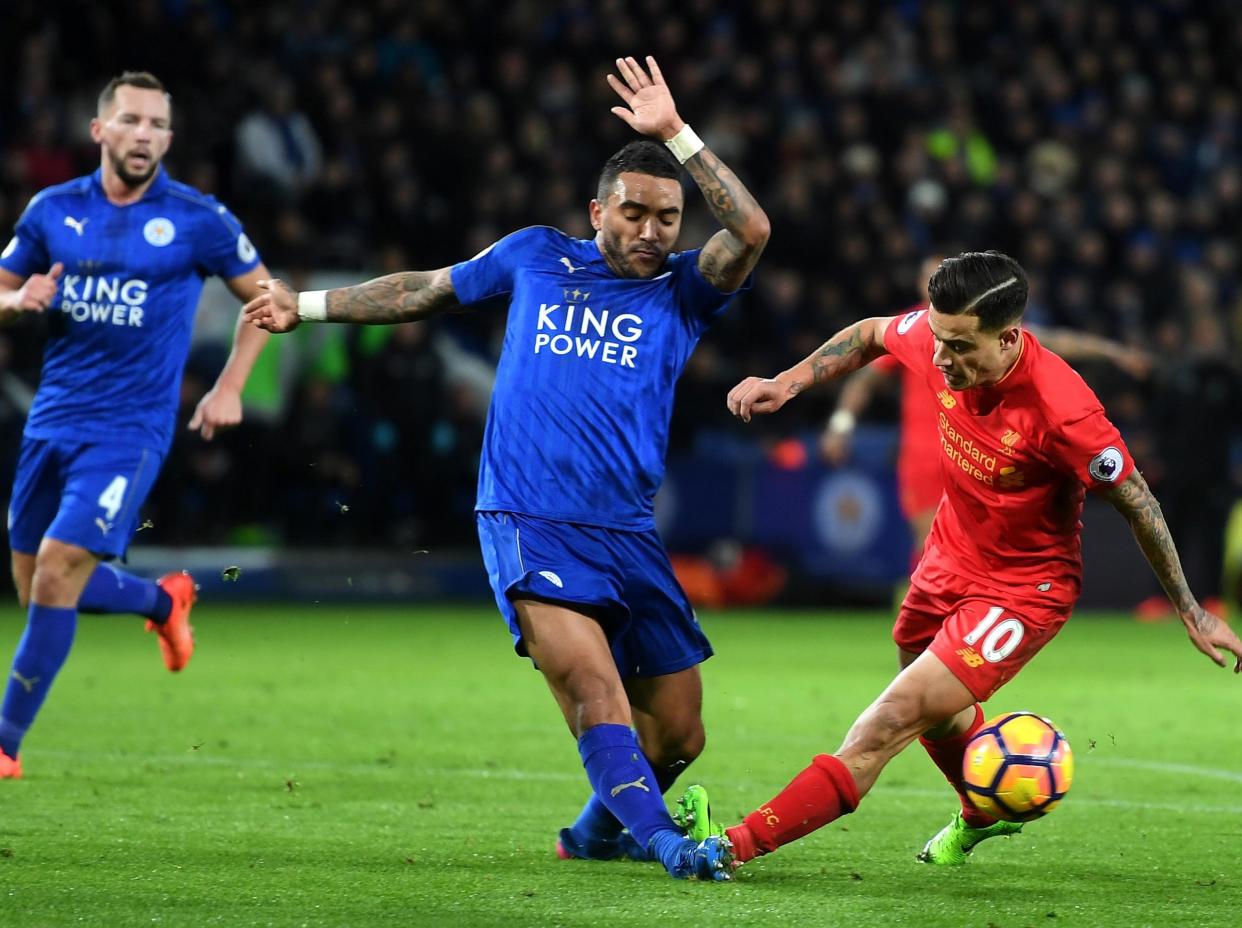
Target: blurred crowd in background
{"type": "Point", "coordinates": [1096, 142]}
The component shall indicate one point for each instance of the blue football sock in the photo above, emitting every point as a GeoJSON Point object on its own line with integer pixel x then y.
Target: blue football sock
{"type": "Point", "coordinates": [40, 655]}
{"type": "Point", "coordinates": [595, 821]}
{"type": "Point", "coordinates": [625, 783]}
{"type": "Point", "coordinates": [110, 589]}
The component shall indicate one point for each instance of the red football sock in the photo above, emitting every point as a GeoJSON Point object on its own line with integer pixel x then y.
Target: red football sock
{"type": "Point", "coordinates": [947, 754]}
{"type": "Point", "coordinates": [822, 792]}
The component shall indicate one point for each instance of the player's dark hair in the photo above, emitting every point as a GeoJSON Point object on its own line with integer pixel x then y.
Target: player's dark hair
{"type": "Point", "coordinates": [143, 79]}
{"type": "Point", "coordinates": [639, 157]}
{"type": "Point", "coordinates": [986, 284]}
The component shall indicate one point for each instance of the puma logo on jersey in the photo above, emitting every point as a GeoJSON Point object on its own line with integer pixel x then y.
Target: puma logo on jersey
{"type": "Point", "coordinates": [28, 683]}
{"type": "Point", "coordinates": [638, 783]}
{"type": "Point", "coordinates": [76, 224]}
{"type": "Point", "coordinates": [569, 265]}
{"type": "Point", "coordinates": [104, 527]}
{"type": "Point", "coordinates": [552, 579]}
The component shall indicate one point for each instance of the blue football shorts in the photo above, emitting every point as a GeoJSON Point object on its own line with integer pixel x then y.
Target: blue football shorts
{"type": "Point", "coordinates": [82, 493]}
{"type": "Point", "coordinates": [622, 579]}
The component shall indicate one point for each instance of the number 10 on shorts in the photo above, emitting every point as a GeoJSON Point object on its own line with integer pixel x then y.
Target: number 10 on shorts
{"type": "Point", "coordinates": [999, 638]}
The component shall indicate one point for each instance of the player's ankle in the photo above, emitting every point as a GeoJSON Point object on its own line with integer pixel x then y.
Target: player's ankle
{"type": "Point", "coordinates": [745, 847]}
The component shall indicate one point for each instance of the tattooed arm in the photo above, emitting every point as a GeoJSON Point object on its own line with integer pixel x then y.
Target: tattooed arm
{"type": "Point", "coordinates": [1134, 500]}
{"type": "Point", "coordinates": [731, 253]}
{"type": "Point", "coordinates": [845, 352]}
{"type": "Point", "coordinates": [402, 297]}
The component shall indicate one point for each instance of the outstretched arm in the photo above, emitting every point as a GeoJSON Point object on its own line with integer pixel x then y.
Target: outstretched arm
{"type": "Point", "coordinates": [1134, 500]}
{"type": "Point", "coordinates": [731, 253]}
{"type": "Point", "coordinates": [845, 352]}
{"type": "Point", "coordinates": [403, 297]}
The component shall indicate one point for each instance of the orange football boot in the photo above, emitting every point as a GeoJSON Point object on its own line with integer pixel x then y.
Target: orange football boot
{"type": "Point", "coordinates": [10, 767]}
{"type": "Point", "coordinates": [176, 634]}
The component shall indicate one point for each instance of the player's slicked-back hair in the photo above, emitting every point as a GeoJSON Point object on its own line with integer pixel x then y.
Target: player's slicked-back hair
{"type": "Point", "coordinates": [144, 79]}
{"type": "Point", "coordinates": [639, 157]}
{"type": "Point", "coordinates": [986, 284]}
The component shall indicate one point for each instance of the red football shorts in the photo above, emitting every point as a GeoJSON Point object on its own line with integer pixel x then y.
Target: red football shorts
{"type": "Point", "coordinates": [984, 636]}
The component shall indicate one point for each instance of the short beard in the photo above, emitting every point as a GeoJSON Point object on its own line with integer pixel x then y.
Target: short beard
{"type": "Point", "coordinates": [618, 259]}
{"type": "Point", "coordinates": [132, 180]}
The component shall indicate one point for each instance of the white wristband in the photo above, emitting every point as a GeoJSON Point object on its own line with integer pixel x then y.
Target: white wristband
{"type": "Point", "coordinates": [841, 422]}
{"type": "Point", "coordinates": [313, 305]}
{"type": "Point", "coordinates": [685, 144]}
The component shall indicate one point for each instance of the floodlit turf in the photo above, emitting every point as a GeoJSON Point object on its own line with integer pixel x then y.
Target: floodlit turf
{"type": "Point", "coordinates": [323, 765]}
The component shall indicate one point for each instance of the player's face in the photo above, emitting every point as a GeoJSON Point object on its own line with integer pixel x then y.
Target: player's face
{"type": "Point", "coordinates": [968, 357]}
{"type": "Point", "coordinates": [134, 131]}
{"type": "Point", "coordinates": [637, 226]}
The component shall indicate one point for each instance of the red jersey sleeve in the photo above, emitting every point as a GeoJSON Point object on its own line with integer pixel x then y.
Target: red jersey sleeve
{"type": "Point", "coordinates": [908, 339]}
{"type": "Point", "coordinates": [1091, 448]}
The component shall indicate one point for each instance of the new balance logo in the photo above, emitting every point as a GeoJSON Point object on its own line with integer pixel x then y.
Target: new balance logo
{"type": "Point", "coordinates": [76, 224]}
{"type": "Point", "coordinates": [569, 265]}
{"type": "Point", "coordinates": [28, 683]}
{"type": "Point", "coordinates": [970, 657]}
{"type": "Point", "coordinates": [616, 789]}
{"type": "Point", "coordinates": [947, 399]}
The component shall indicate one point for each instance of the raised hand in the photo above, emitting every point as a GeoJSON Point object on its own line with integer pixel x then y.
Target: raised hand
{"type": "Point", "coordinates": [276, 310]}
{"type": "Point", "coordinates": [649, 108]}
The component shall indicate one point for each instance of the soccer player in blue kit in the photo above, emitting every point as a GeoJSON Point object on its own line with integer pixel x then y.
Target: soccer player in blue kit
{"type": "Point", "coordinates": [598, 332]}
{"type": "Point", "coordinates": [117, 260]}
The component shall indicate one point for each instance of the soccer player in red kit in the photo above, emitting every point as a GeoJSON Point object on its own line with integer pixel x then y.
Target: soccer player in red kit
{"type": "Point", "coordinates": [1020, 437]}
{"type": "Point", "coordinates": [919, 480]}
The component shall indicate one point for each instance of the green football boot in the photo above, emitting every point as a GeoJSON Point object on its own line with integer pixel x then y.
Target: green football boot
{"type": "Point", "coordinates": [694, 814]}
{"type": "Point", "coordinates": [957, 839]}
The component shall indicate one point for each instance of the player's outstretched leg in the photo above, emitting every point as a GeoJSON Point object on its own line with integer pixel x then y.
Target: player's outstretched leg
{"type": "Point", "coordinates": [176, 634]}
{"type": "Point", "coordinates": [956, 840]}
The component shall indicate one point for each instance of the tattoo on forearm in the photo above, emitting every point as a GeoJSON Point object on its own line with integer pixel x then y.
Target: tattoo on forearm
{"type": "Point", "coordinates": [839, 355]}
{"type": "Point", "coordinates": [1134, 500]}
{"type": "Point", "coordinates": [728, 198]}
{"type": "Point", "coordinates": [396, 298]}
{"type": "Point", "coordinates": [730, 254]}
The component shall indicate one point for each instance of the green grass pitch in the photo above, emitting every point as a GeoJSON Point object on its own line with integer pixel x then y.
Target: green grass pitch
{"type": "Point", "coordinates": [332, 765]}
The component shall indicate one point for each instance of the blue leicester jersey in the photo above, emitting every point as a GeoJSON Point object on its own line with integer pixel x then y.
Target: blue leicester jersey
{"type": "Point", "coordinates": [579, 417]}
{"type": "Point", "coordinates": [119, 327]}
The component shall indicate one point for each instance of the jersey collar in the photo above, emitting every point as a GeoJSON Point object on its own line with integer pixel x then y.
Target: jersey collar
{"type": "Point", "coordinates": [157, 186]}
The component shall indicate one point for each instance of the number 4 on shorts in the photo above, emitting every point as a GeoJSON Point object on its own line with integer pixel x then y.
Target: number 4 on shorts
{"type": "Point", "coordinates": [113, 496]}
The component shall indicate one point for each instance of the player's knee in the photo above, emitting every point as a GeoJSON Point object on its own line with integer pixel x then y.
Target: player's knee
{"type": "Point", "coordinates": [894, 719]}
{"type": "Point", "coordinates": [677, 747]}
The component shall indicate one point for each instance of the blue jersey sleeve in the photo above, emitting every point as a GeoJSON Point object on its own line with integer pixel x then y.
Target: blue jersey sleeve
{"type": "Point", "coordinates": [490, 272]}
{"type": "Point", "coordinates": [224, 249]}
{"type": "Point", "coordinates": [26, 253]}
{"type": "Point", "coordinates": [699, 298]}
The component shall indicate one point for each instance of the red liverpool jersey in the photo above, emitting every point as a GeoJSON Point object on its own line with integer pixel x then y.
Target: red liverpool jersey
{"type": "Point", "coordinates": [1015, 457]}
